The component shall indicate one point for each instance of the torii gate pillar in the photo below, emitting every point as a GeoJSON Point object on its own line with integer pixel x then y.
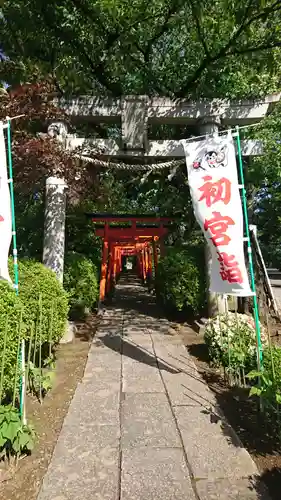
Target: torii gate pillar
{"type": "Point", "coordinates": [54, 225]}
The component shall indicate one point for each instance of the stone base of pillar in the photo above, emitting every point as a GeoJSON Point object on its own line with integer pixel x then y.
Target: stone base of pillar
{"type": "Point", "coordinates": [216, 304]}
{"type": "Point", "coordinates": [69, 335]}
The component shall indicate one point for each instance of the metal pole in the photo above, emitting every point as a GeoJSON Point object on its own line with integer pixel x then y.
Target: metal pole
{"type": "Point", "coordinates": [15, 260]}
{"type": "Point", "coordinates": [11, 184]}
{"type": "Point", "coordinates": [253, 231]}
{"type": "Point", "coordinates": [251, 265]}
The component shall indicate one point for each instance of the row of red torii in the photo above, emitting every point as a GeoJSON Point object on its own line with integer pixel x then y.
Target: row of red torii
{"type": "Point", "coordinates": [136, 235]}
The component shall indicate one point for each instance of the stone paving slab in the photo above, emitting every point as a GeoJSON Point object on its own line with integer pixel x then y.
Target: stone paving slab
{"type": "Point", "coordinates": [83, 473]}
{"type": "Point", "coordinates": [100, 380]}
{"type": "Point", "coordinates": [166, 339]}
{"type": "Point", "coordinates": [225, 489]}
{"type": "Point", "coordinates": [147, 420]}
{"type": "Point", "coordinates": [152, 474]}
{"type": "Point", "coordinates": [140, 351]}
{"type": "Point", "coordinates": [185, 389]}
{"type": "Point", "coordinates": [141, 339]}
{"type": "Point", "coordinates": [139, 328]}
{"type": "Point", "coordinates": [99, 347]}
{"type": "Point", "coordinates": [213, 452]}
{"type": "Point", "coordinates": [100, 437]}
{"type": "Point", "coordinates": [99, 406]}
{"type": "Point", "coordinates": [175, 354]}
{"type": "Point", "coordinates": [103, 358]}
{"type": "Point", "coordinates": [140, 377]}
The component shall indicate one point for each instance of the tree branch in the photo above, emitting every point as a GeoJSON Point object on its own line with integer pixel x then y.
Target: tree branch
{"type": "Point", "coordinates": [198, 28]}
{"type": "Point", "coordinates": [99, 70]}
{"type": "Point", "coordinates": [162, 30]}
{"type": "Point", "coordinates": [14, 36]}
{"type": "Point", "coordinates": [81, 6]}
{"type": "Point", "coordinates": [150, 74]}
{"type": "Point", "coordinates": [118, 33]}
{"type": "Point", "coordinates": [53, 71]}
{"type": "Point", "coordinates": [223, 52]}
{"type": "Point", "coordinates": [259, 48]}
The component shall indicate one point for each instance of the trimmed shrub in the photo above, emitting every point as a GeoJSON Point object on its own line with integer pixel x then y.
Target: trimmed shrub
{"type": "Point", "coordinates": [231, 341]}
{"type": "Point", "coordinates": [81, 283]}
{"type": "Point", "coordinates": [180, 283]}
{"type": "Point", "coordinates": [11, 307]}
{"type": "Point", "coordinates": [36, 280]}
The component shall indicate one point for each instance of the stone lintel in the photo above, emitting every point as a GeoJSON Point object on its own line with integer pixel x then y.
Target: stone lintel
{"type": "Point", "coordinates": [165, 110]}
{"type": "Point", "coordinates": [158, 149]}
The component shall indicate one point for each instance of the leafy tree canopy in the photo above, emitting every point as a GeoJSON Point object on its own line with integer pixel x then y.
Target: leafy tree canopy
{"type": "Point", "coordinates": [192, 48]}
{"type": "Point", "coordinates": [181, 48]}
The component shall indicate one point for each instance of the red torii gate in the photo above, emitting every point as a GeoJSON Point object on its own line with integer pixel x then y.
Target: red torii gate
{"type": "Point", "coordinates": [128, 235]}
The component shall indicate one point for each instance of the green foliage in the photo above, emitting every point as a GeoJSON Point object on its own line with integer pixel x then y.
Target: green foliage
{"type": "Point", "coordinates": [11, 309]}
{"type": "Point", "coordinates": [180, 282]}
{"type": "Point", "coordinates": [79, 234]}
{"type": "Point", "coordinates": [41, 380]}
{"type": "Point", "coordinates": [36, 281]}
{"type": "Point", "coordinates": [265, 388]}
{"type": "Point", "coordinates": [267, 383]}
{"type": "Point", "coordinates": [30, 224]}
{"type": "Point", "coordinates": [81, 283]}
{"type": "Point", "coordinates": [231, 341]}
{"type": "Point", "coordinates": [173, 47]}
{"type": "Point", "coordinates": [15, 438]}
{"type": "Point", "coordinates": [263, 179]}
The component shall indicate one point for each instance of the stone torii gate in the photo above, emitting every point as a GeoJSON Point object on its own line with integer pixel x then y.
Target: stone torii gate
{"type": "Point", "coordinates": [135, 114]}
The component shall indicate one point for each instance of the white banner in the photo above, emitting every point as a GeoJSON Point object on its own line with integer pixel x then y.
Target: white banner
{"type": "Point", "coordinates": [213, 183]}
{"type": "Point", "coordinates": [5, 211]}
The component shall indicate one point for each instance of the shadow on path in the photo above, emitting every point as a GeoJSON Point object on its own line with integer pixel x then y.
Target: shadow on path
{"type": "Point", "coordinates": [134, 351]}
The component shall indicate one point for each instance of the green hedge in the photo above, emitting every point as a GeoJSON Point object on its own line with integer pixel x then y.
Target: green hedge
{"type": "Point", "coordinates": [36, 280]}
{"type": "Point", "coordinates": [10, 309]}
{"type": "Point", "coordinates": [81, 283]}
{"type": "Point", "coordinates": [180, 283]}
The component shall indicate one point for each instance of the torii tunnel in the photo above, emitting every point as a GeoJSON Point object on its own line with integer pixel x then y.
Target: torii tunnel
{"type": "Point", "coordinates": [141, 236]}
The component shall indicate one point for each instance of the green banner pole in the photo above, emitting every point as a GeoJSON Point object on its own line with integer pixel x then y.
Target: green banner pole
{"type": "Point", "coordinates": [249, 248]}
{"type": "Point", "coordinates": [15, 255]}
{"type": "Point", "coordinates": [11, 184]}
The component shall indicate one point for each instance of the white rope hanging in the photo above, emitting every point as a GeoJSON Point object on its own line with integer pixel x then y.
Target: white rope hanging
{"type": "Point", "coordinates": [127, 166]}
{"type": "Point", "coordinates": [169, 164]}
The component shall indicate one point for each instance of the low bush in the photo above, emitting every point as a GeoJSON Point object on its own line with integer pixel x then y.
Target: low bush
{"type": "Point", "coordinates": [268, 380]}
{"type": "Point", "coordinates": [180, 283]}
{"type": "Point", "coordinates": [11, 310]}
{"type": "Point", "coordinates": [231, 341]}
{"type": "Point", "coordinates": [272, 362]}
{"type": "Point", "coordinates": [16, 437]}
{"type": "Point", "coordinates": [36, 281]}
{"type": "Point", "coordinates": [81, 283]}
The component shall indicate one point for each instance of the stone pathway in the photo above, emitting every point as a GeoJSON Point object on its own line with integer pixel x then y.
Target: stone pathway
{"type": "Point", "coordinates": [142, 424]}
